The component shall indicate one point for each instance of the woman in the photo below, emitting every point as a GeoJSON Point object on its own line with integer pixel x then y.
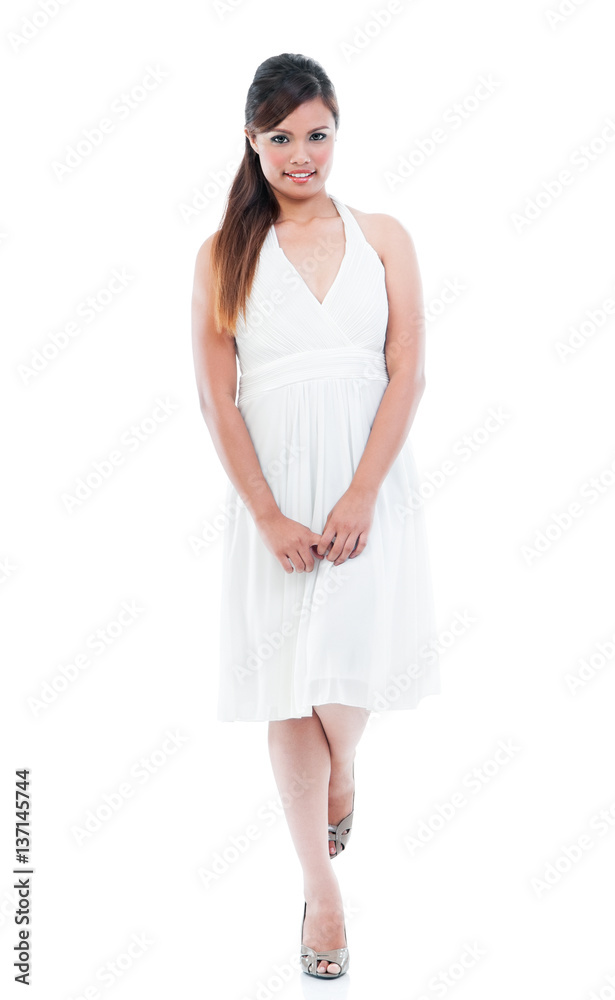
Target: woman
{"type": "Point", "coordinates": [326, 596]}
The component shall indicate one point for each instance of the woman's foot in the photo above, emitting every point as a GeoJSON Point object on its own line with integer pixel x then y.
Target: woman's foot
{"type": "Point", "coordinates": [323, 929]}
{"type": "Point", "coordinates": [341, 793]}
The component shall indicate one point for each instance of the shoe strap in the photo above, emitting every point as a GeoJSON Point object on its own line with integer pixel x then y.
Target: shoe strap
{"type": "Point", "coordinates": [313, 958]}
{"type": "Point", "coordinates": [336, 831]}
{"type": "Point", "coordinates": [343, 823]}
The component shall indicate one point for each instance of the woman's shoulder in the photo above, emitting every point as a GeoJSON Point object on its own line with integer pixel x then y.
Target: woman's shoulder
{"type": "Point", "coordinates": [202, 265]}
{"type": "Point", "coordinates": [204, 251]}
{"type": "Point", "coordinates": [385, 233]}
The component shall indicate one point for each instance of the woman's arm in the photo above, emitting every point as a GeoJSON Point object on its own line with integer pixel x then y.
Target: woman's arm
{"type": "Point", "coordinates": [216, 376]}
{"type": "Point", "coordinates": [349, 522]}
{"type": "Point", "coordinates": [404, 354]}
{"type": "Point", "coordinates": [292, 543]}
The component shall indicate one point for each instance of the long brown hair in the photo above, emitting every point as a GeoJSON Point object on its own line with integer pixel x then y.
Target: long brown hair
{"type": "Point", "coordinates": [281, 83]}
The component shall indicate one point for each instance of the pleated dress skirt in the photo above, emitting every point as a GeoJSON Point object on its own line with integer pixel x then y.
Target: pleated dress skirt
{"type": "Point", "coordinates": [312, 378]}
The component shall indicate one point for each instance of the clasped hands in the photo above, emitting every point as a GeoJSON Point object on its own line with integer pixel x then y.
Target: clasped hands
{"type": "Point", "coordinates": [344, 535]}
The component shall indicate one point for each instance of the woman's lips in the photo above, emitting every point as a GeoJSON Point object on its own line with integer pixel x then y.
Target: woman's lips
{"type": "Point", "coordinates": [300, 180]}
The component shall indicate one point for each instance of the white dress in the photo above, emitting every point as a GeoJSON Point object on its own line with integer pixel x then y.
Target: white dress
{"type": "Point", "coordinates": [312, 377]}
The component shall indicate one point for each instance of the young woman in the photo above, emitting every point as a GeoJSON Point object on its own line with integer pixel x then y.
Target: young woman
{"type": "Point", "coordinates": [326, 595]}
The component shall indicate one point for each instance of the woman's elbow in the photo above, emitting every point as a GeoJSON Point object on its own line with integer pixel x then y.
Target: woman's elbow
{"type": "Point", "coordinates": [213, 405]}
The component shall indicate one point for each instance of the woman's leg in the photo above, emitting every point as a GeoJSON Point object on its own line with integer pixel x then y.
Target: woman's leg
{"type": "Point", "coordinates": [300, 754]}
{"type": "Point", "coordinates": [343, 727]}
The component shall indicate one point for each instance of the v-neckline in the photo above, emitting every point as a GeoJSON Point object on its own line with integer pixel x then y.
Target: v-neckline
{"type": "Point", "coordinates": [340, 269]}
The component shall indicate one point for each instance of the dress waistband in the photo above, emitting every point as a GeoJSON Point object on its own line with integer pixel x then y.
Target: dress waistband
{"type": "Point", "coordinates": [357, 363]}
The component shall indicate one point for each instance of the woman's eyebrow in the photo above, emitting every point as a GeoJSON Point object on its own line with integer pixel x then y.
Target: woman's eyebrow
{"type": "Point", "coordinates": [317, 128]}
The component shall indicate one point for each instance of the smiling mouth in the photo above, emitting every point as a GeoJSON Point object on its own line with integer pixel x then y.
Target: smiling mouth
{"type": "Point", "coordinates": [299, 173]}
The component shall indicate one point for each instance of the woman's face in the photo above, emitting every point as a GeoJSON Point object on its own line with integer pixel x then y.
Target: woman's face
{"type": "Point", "coordinates": [302, 143]}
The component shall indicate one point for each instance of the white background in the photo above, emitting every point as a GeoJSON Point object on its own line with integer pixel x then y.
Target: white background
{"type": "Point", "coordinates": [412, 913]}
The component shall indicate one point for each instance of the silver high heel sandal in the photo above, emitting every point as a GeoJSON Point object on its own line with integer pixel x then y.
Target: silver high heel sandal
{"type": "Point", "coordinates": [342, 831]}
{"type": "Point", "coordinates": [310, 959]}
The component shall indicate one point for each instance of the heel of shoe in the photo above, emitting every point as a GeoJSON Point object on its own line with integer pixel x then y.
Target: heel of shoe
{"type": "Point", "coordinates": [341, 839]}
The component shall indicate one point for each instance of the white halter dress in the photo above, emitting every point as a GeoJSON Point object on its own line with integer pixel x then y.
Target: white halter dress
{"type": "Point", "coordinates": [312, 377]}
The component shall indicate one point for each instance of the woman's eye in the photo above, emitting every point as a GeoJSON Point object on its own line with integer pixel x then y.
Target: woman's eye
{"type": "Point", "coordinates": [276, 137]}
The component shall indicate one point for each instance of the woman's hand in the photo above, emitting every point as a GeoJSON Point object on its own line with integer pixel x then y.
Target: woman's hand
{"type": "Point", "coordinates": [292, 543]}
{"type": "Point", "coordinates": [347, 526]}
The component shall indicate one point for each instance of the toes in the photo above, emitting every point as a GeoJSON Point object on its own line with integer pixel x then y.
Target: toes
{"type": "Point", "coordinates": [331, 967]}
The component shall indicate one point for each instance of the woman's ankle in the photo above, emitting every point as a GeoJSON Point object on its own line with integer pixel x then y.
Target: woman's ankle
{"type": "Point", "coordinates": [323, 895]}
